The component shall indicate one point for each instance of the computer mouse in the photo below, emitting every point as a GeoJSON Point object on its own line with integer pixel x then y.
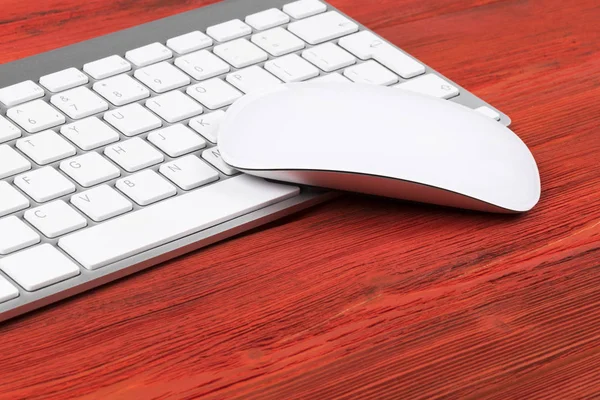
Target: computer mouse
{"type": "Point", "coordinates": [381, 141]}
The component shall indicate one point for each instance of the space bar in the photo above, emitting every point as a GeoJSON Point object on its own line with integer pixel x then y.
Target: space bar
{"type": "Point", "coordinates": [172, 219]}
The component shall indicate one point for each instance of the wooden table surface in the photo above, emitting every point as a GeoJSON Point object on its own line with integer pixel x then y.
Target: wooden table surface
{"type": "Point", "coordinates": [360, 298]}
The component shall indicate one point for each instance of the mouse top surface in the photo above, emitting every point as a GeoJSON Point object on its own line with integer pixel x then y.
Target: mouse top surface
{"type": "Point", "coordinates": [381, 132]}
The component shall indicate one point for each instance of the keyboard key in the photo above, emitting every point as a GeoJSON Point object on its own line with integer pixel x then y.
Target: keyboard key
{"type": "Point", "coordinates": [304, 8]}
{"type": "Point", "coordinates": [11, 162]}
{"type": "Point", "coordinates": [366, 45]}
{"type": "Point", "coordinates": [189, 172]}
{"type": "Point", "coordinates": [213, 156]}
{"type": "Point", "coordinates": [252, 79]}
{"type": "Point", "coordinates": [431, 85]}
{"type": "Point", "coordinates": [174, 106]}
{"type": "Point", "coordinates": [189, 42]}
{"type": "Point", "coordinates": [229, 30]}
{"type": "Point", "coordinates": [371, 72]}
{"type": "Point", "coordinates": [323, 27]}
{"type": "Point", "coordinates": [8, 131]}
{"type": "Point", "coordinates": [107, 67]}
{"type": "Point", "coordinates": [89, 169]}
{"type": "Point", "coordinates": [214, 93]}
{"type": "Point", "coordinates": [79, 103]}
{"type": "Point", "coordinates": [11, 200]}
{"type": "Point", "coordinates": [333, 78]}
{"type": "Point", "coordinates": [176, 140]}
{"type": "Point", "coordinates": [146, 187]}
{"type": "Point", "coordinates": [101, 203]}
{"type": "Point", "coordinates": [208, 125]}
{"type": "Point", "coordinates": [267, 19]}
{"type": "Point", "coordinates": [55, 219]}
{"type": "Point", "coordinates": [240, 53]}
{"type": "Point", "coordinates": [278, 42]}
{"type": "Point", "coordinates": [172, 219]}
{"type": "Point", "coordinates": [36, 116]}
{"type": "Point", "coordinates": [134, 154]}
{"type": "Point", "coordinates": [329, 57]}
{"type": "Point", "coordinates": [45, 147]}
{"type": "Point", "coordinates": [132, 119]}
{"type": "Point", "coordinates": [39, 267]}
{"type": "Point", "coordinates": [488, 112]}
{"type": "Point", "coordinates": [64, 80]}
{"type": "Point", "coordinates": [15, 235]}
{"type": "Point", "coordinates": [121, 90]}
{"type": "Point", "coordinates": [162, 77]}
{"type": "Point", "coordinates": [148, 54]}
{"type": "Point", "coordinates": [8, 291]}
{"type": "Point", "coordinates": [44, 184]}
{"type": "Point", "coordinates": [20, 93]}
{"type": "Point", "coordinates": [291, 68]}
{"type": "Point", "coordinates": [89, 133]}
{"type": "Point", "coordinates": [202, 65]}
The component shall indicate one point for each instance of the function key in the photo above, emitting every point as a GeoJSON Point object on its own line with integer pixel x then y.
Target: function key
{"type": "Point", "coordinates": [189, 42]}
{"type": "Point", "coordinates": [229, 30]}
{"type": "Point", "coordinates": [106, 67]}
{"type": "Point", "coordinates": [148, 54]}
{"type": "Point", "coordinates": [20, 93]}
{"type": "Point", "coordinates": [304, 8]}
{"type": "Point", "coordinates": [63, 80]}
{"type": "Point", "coordinates": [267, 19]}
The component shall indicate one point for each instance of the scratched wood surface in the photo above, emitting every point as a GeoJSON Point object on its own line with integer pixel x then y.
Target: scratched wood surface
{"type": "Point", "coordinates": [360, 298]}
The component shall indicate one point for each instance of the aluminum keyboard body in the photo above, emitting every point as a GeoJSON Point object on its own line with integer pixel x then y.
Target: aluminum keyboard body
{"type": "Point", "coordinates": [120, 43]}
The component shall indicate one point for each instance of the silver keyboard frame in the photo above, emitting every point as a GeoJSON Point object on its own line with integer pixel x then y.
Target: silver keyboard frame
{"type": "Point", "coordinates": [118, 43]}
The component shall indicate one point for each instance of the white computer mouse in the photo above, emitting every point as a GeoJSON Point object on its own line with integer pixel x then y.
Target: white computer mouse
{"type": "Point", "coordinates": [381, 141]}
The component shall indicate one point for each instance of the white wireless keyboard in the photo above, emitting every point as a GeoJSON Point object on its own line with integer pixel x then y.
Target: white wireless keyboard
{"type": "Point", "coordinates": [109, 158]}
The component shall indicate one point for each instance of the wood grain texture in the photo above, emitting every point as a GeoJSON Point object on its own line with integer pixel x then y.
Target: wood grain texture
{"type": "Point", "coordinates": [360, 298]}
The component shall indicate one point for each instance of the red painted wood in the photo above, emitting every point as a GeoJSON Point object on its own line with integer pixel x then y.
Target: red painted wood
{"type": "Point", "coordinates": [360, 298]}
